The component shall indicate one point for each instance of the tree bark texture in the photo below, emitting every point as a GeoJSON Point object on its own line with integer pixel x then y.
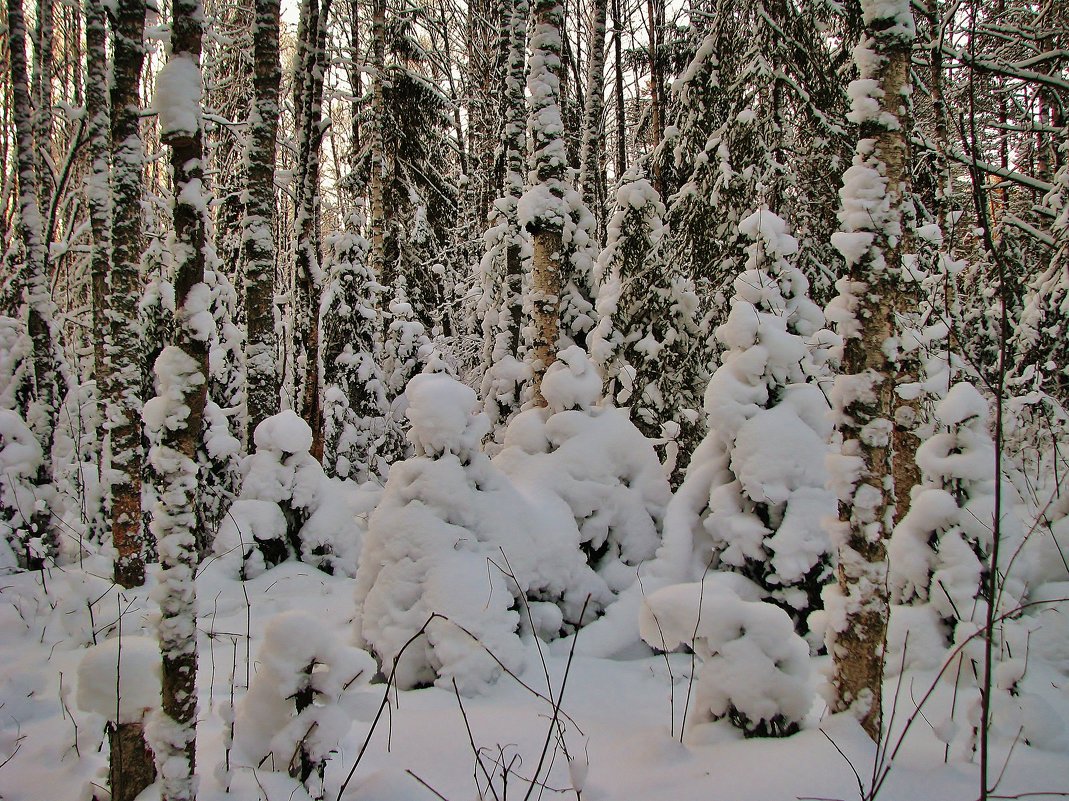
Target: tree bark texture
{"type": "Point", "coordinates": [131, 768]}
{"type": "Point", "coordinates": [590, 150]}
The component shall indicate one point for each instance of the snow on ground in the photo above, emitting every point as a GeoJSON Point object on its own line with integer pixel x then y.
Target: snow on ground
{"type": "Point", "coordinates": [620, 719]}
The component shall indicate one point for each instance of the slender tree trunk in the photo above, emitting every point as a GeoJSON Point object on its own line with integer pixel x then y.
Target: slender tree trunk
{"type": "Point", "coordinates": [618, 87]}
{"type": "Point", "coordinates": [866, 402]}
{"type": "Point", "coordinates": [355, 79]}
{"type": "Point", "coordinates": [590, 151]}
{"type": "Point", "coordinates": [261, 349]}
{"type": "Point", "coordinates": [547, 177]}
{"type": "Point", "coordinates": [378, 155]}
{"type": "Point", "coordinates": [98, 192]}
{"type": "Point", "coordinates": [43, 63]}
{"type": "Point", "coordinates": [132, 768]}
{"type": "Point", "coordinates": [47, 379]}
{"type": "Point", "coordinates": [124, 365]}
{"type": "Point", "coordinates": [182, 381]}
{"type": "Point", "coordinates": [98, 134]}
{"type": "Point", "coordinates": [656, 110]}
{"type": "Point", "coordinates": [308, 273]}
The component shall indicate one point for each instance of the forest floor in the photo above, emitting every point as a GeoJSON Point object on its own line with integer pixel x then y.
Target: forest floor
{"type": "Point", "coordinates": [619, 720]}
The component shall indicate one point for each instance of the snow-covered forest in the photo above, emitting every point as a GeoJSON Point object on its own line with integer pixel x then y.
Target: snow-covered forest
{"type": "Point", "coordinates": [618, 400]}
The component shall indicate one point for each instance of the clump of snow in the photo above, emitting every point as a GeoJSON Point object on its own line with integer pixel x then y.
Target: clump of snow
{"type": "Point", "coordinates": [285, 433]}
{"type": "Point", "coordinates": [129, 666]}
{"type": "Point", "coordinates": [572, 381]}
{"type": "Point", "coordinates": [752, 667]}
{"type": "Point", "coordinates": [178, 95]}
{"type": "Point", "coordinates": [445, 416]}
{"type": "Point", "coordinates": [573, 503]}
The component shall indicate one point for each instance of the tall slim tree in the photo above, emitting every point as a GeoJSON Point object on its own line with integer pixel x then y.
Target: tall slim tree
{"type": "Point", "coordinates": [551, 209]}
{"type": "Point", "coordinates": [865, 401]}
{"type": "Point", "coordinates": [308, 273]}
{"type": "Point", "coordinates": [121, 372]}
{"type": "Point", "coordinates": [98, 192]}
{"type": "Point", "coordinates": [591, 177]}
{"type": "Point", "coordinates": [175, 415]}
{"type": "Point", "coordinates": [259, 220]}
{"type": "Point", "coordinates": [501, 269]}
{"type": "Point", "coordinates": [47, 373]}
{"type": "Point", "coordinates": [124, 367]}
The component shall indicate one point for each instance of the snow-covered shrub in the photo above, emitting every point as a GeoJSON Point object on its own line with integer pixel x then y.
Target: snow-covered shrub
{"type": "Point", "coordinates": [25, 538]}
{"type": "Point", "coordinates": [754, 495]}
{"type": "Point", "coordinates": [597, 462]}
{"type": "Point", "coordinates": [292, 718]}
{"type": "Point", "coordinates": [939, 552]}
{"type": "Point", "coordinates": [407, 351]}
{"type": "Point", "coordinates": [15, 364]}
{"type": "Point", "coordinates": [437, 544]}
{"type": "Point", "coordinates": [752, 667]}
{"type": "Point", "coordinates": [287, 507]}
{"type": "Point", "coordinates": [76, 454]}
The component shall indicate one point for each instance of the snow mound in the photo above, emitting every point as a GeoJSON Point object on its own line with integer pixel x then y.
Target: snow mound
{"type": "Point", "coordinates": [130, 665]}
{"type": "Point", "coordinates": [753, 669]}
{"type": "Point", "coordinates": [572, 381]}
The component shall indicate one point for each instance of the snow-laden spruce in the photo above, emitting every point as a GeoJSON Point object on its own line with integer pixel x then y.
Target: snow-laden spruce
{"type": "Point", "coordinates": [438, 542]}
{"type": "Point", "coordinates": [594, 461]}
{"type": "Point", "coordinates": [510, 547]}
{"type": "Point", "coordinates": [754, 495]}
{"type": "Point", "coordinates": [751, 667]}
{"type": "Point", "coordinates": [287, 507]}
{"type": "Point", "coordinates": [644, 341]}
{"type": "Point", "coordinates": [355, 411]}
{"type": "Point", "coordinates": [407, 351]}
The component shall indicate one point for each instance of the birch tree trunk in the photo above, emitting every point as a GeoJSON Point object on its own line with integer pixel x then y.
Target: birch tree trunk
{"type": "Point", "coordinates": [378, 156]}
{"type": "Point", "coordinates": [308, 272]}
{"type": "Point", "coordinates": [175, 417]}
{"type": "Point", "coordinates": [259, 220]}
{"type": "Point", "coordinates": [47, 377]}
{"type": "Point", "coordinates": [124, 348]}
{"type": "Point", "coordinates": [549, 157]}
{"type": "Point", "coordinates": [590, 149]}
{"type": "Point", "coordinates": [871, 240]}
{"type": "Point", "coordinates": [618, 89]}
